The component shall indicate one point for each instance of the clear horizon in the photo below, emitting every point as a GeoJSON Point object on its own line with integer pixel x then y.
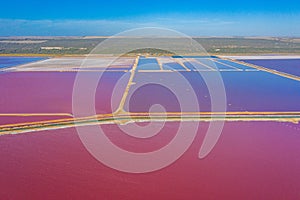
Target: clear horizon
{"type": "Point", "coordinates": [195, 18]}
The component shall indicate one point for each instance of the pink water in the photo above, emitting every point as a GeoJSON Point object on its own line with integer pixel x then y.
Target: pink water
{"type": "Point", "coordinates": [50, 92]}
{"type": "Point", "coordinates": [252, 160]}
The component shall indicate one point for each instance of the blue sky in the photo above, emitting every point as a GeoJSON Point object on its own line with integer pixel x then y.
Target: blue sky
{"type": "Point", "coordinates": [197, 18]}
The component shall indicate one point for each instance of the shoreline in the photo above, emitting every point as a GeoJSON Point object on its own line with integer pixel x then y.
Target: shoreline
{"type": "Point", "coordinates": [231, 56]}
{"type": "Point", "coordinates": [260, 57]}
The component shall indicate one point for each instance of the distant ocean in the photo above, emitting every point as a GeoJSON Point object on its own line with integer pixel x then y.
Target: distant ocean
{"type": "Point", "coordinates": [6, 62]}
